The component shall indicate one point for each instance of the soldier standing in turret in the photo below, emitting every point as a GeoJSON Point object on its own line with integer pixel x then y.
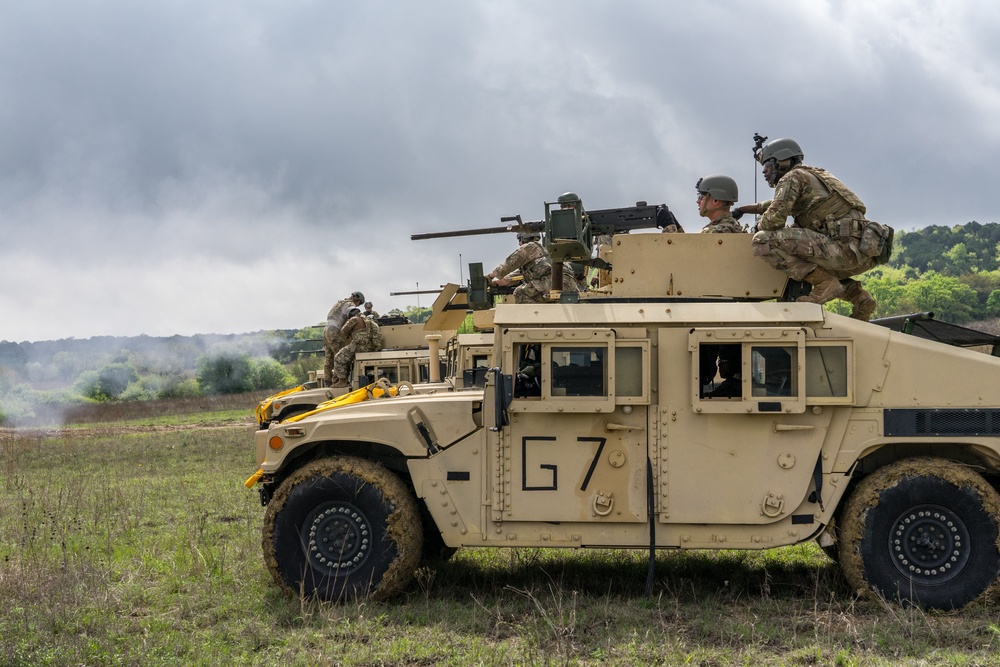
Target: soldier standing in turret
{"type": "Point", "coordinates": [533, 264]}
{"type": "Point", "coordinates": [364, 335]}
{"type": "Point", "coordinates": [333, 339]}
{"type": "Point", "coordinates": [716, 195]}
{"type": "Point", "coordinates": [821, 246]}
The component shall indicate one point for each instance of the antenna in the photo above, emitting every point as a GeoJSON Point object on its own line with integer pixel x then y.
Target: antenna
{"type": "Point", "coordinates": [758, 145]}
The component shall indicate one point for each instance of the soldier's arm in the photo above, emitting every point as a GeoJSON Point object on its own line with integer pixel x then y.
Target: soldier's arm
{"type": "Point", "coordinates": [348, 327]}
{"type": "Point", "coordinates": [788, 191]}
{"type": "Point", "coordinates": [514, 261]}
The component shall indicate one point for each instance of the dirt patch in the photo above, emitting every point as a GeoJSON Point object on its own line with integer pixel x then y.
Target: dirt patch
{"type": "Point", "coordinates": [11, 433]}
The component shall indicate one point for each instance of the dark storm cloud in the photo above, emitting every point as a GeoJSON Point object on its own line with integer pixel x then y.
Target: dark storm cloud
{"type": "Point", "coordinates": [179, 167]}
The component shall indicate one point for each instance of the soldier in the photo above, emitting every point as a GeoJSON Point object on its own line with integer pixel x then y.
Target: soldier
{"type": "Point", "coordinates": [531, 261]}
{"type": "Point", "coordinates": [716, 195]}
{"type": "Point", "coordinates": [822, 244]}
{"type": "Point", "coordinates": [368, 312]}
{"type": "Point", "coordinates": [364, 336]}
{"type": "Point", "coordinates": [333, 339]}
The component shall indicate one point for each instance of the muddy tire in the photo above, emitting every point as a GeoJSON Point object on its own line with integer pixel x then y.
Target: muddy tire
{"type": "Point", "coordinates": [342, 529]}
{"type": "Point", "coordinates": [922, 532]}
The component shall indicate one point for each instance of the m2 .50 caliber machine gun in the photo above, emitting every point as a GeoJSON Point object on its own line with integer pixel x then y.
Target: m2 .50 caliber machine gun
{"type": "Point", "coordinates": [568, 232]}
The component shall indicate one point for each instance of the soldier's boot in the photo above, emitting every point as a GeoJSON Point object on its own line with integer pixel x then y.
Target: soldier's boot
{"type": "Point", "coordinates": [863, 302]}
{"type": "Point", "coordinates": [825, 287]}
{"type": "Point", "coordinates": [339, 382]}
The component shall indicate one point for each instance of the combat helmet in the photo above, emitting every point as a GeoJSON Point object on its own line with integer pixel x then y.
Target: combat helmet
{"type": "Point", "coordinates": [719, 187]}
{"type": "Point", "coordinates": [525, 237]}
{"type": "Point", "coordinates": [780, 149]}
{"type": "Point", "coordinates": [357, 296]}
{"type": "Point", "coordinates": [569, 198]}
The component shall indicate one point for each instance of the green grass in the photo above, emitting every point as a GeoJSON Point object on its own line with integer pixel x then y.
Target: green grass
{"type": "Point", "coordinates": [124, 548]}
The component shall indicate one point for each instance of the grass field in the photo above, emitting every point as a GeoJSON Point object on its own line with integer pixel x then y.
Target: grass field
{"type": "Point", "coordinates": [135, 543]}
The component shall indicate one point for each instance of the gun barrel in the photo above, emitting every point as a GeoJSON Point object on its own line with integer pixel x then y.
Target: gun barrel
{"type": "Point", "coordinates": [530, 226]}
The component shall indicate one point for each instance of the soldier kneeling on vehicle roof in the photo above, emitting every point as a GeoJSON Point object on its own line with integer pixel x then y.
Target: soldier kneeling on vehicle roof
{"type": "Point", "coordinates": [829, 239]}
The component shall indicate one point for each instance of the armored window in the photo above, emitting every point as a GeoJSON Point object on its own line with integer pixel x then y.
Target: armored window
{"type": "Point", "coordinates": [748, 370]}
{"type": "Point", "coordinates": [774, 370]}
{"type": "Point", "coordinates": [720, 371]}
{"type": "Point", "coordinates": [830, 372]}
{"type": "Point", "coordinates": [528, 371]}
{"type": "Point", "coordinates": [387, 372]}
{"type": "Point", "coordinates": [579, 371]}
{"type": "Point", "coordinates": [632, 371]}
{"type": "Point", "coordinates": [562, 370]}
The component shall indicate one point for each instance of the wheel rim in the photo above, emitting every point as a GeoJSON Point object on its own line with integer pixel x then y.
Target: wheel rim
{"type": "Point", "coordinates": [337, 538]}
{"type": "Point", "coordinates": [929, 544]}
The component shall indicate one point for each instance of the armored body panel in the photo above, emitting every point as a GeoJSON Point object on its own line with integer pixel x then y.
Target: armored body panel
{"type": "Point", "coordinates": [682, 409]}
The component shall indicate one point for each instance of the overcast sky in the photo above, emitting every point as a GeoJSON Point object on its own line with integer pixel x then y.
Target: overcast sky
{"type": "Point", "coordinates": [228, 166]}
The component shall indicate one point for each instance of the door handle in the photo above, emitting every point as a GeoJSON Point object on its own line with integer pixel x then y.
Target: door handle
{"type": "Point", "coordinates": [778, 426]}
{"type": "Point", "coordinates": [611, 426]}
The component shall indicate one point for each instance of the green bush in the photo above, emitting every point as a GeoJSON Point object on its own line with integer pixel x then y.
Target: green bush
{"type": "Point", "coordinates": [108, 383]}
{"type": "Point", "coordinates": [143, 389]}
{"type": "Point", "coordinates": [224, 370]}
{"type": "Point", "coordinates": [179, 386]}
{"type": "Point", "coordinates": [269, 374]}
{"type": "Point", "coordinates": [17, 401]}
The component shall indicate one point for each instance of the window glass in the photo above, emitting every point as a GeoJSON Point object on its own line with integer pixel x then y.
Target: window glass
{"type": "Point", "coordinates": [720, 371]}
{"type": "Point", "coordinates": [826, 371]}
{"type": "Point", "coordinates": [578, 371]}
{"type": "Point", "coordinates": [774, 370]}
{"type": "Point", "coordinates": [628, 371]}
{"type": "Point", "coordinates": [387, 372]}
{"type": "Point", "coordinates": [528, 378]}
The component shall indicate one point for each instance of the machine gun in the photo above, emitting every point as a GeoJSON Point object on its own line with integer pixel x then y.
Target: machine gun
{"type": "Point", "coordinates": [568, 230]}
{"type": "Point", "coordinates": [602, 221]}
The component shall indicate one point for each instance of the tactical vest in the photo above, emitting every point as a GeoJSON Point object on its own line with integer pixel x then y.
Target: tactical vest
{"type": "Point", "coordinates": [539, 266]}
{"type": "Point", "coordinates": [839, 204]}
{"type": "Point", "coordinates": [374, 333]}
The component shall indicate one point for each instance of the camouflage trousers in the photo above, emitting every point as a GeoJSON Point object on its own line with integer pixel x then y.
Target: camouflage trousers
{"type": "Point", "coordinates": [333, 340]}
{"type": "Point", "coordinates": [537, 291]}
{"type": "Point", "coordinates": [797, 251]}
{"type": "Point", "coordinates": [344, 359]}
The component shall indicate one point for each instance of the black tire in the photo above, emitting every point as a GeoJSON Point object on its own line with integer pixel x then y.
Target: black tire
{"type": "Point", "coordinates": [922, 532]}
{"type": "Point", "coordinates": [342, 529]}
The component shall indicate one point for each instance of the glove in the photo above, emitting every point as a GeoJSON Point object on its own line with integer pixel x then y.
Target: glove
{"type": "Point", "coordinates": [737, 213]}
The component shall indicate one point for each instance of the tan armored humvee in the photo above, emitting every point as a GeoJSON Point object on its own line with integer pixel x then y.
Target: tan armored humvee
{"type": "Point", "coordinates": [686, 409]}
{"type": "Point", "coordinates": [405, 357]}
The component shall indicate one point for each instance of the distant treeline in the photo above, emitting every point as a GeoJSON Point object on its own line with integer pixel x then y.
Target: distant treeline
{"type": "Point", "coordinates": [66, 358]}
{"type": "Point", "coordinates": [952, 271]}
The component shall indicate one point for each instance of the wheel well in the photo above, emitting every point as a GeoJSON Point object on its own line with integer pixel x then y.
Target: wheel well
{"type": "Point", "coordinates": [387, 456]}
{"type": "Point", "coordinates": [963, 453]}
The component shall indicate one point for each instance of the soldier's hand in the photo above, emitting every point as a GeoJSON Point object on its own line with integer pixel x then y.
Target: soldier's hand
{"type": "Point", "coordinates": [737, 213]}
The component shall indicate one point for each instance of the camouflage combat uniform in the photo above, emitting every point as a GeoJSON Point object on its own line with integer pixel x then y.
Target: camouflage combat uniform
{"type": "Point", "coordinates": [727, 224]}
{"type": "Point", "coordinates": [535, 267]}
{"type": "Point", "coordinates": [333, 339]}
{"type": "Point", "coordinates": [364, 335]}
{"type": "Point", "coordinates": [827, 227]}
